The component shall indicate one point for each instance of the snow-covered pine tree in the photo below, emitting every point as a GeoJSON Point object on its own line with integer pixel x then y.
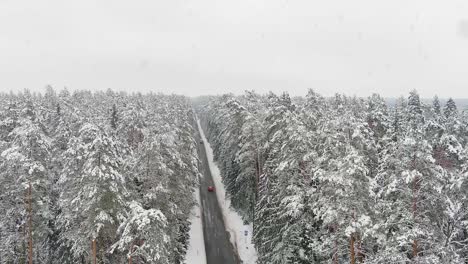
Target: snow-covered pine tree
{"type": "Point", "coordinates": [267, 236]}
{"type": "Point", "coordinates": [450, 108]}
{"type": "Point", "coordinates": [93, 193]}
{"type": "Point", "coordinates": [27, 183]}
{"type": "Point", "coordinates": [248, 158]}
{"type": "Point", "coordinates": [143, 235]}
{"type": "Point", "coordinates": [296, 192]}
{"type": "Point", "coordinates": [342, 175]}
{"type": "Point", "coordinates": [184, 166]}
{"type": "Point", "coordinates": [449, 212]}
{"type": "Point", "coordinates": [164, 167]}
{"type": "Point", "coordinates": [409, 181]}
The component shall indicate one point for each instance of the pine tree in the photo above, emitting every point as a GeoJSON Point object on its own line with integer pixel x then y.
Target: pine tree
{"type": "Point", "coordinates": [26, 164]}
{"type": "Point", "coordinates": [450, 108]}
{"type": "Point", "coordinates": [266, 236]}
{"type": "Point", "coordinates": [93, 192]}
{"type": "Point", "coordinates": [143, 235]}
{"type": "Point", "coordinates": [436, 106]}
{"type": "Point", "coordinates": [343, 179]}
{"type": "Point", "coordinates": [248, 158]}
{"type": "Point", "coordinates": [408, 180]}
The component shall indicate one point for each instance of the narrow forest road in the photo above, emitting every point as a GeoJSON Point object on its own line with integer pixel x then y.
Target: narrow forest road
{"type": "Point", "coordinates": [219, 249]}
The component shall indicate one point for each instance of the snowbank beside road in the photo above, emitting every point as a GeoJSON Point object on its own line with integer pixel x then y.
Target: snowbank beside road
{"type": "Point", "coordinates": [241, 235]}
{"type": "Point", "coordinates": [196, 251]}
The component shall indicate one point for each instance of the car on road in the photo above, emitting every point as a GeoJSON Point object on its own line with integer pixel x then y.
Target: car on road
{"type": "Point", "coordinates": [210, 188]}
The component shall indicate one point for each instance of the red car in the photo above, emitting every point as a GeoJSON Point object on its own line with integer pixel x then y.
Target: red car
{"type": "Point", "coordinates": [210, 188]}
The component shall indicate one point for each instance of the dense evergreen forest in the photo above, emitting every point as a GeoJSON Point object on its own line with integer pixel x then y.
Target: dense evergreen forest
{"type": "Point", "coordinates": [105, 173]}
{"type": "Point", "coordinates": [322, 180]}
{"type": "Point", "coordinates": [344, 179]}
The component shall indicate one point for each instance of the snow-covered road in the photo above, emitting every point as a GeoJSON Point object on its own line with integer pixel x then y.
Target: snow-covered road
{"type": "Point", "coordinates": [217, 245]}
{"type": "Point", "coordinates": [215, 209]}
{"type": "Point", "coordinates": [240, 234]}
{"type": "Point", "coordinates": [196, 250]}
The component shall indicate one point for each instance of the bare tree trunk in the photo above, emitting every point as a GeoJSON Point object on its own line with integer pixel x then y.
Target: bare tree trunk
{"type": "Point", "coordinates": [258, 167]}
{"type": "Point", "coordinates": [94, 252]}
{"type": "Point", "coordinates": [257, 173]}
{"type": "Point", "coordinates": [415, 249]}
{"type": "Point", "coordinates": [24, 243]}
{"type": "Point", "coordinates": [30, 242]}
{"type": "Point", "coordinates": [130, 257]}
{"type": "Point", "coordinates": [257, 178]}
{"type": "Point", "coordinates": [259, 158]}
{"type": "Point", "coordinates": [353, 254]}
{"type": "Point", "coordinates": [335, 255]}
{"type": "Point", "coordinates": [414, 209]}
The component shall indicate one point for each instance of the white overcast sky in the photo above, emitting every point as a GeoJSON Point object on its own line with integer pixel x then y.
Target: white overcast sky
{"type": "Point", "coordinates": [197, 47]}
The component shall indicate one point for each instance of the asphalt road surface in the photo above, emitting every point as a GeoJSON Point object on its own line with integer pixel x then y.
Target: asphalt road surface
{"type": "Point", "coordinates": [219, 249]}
